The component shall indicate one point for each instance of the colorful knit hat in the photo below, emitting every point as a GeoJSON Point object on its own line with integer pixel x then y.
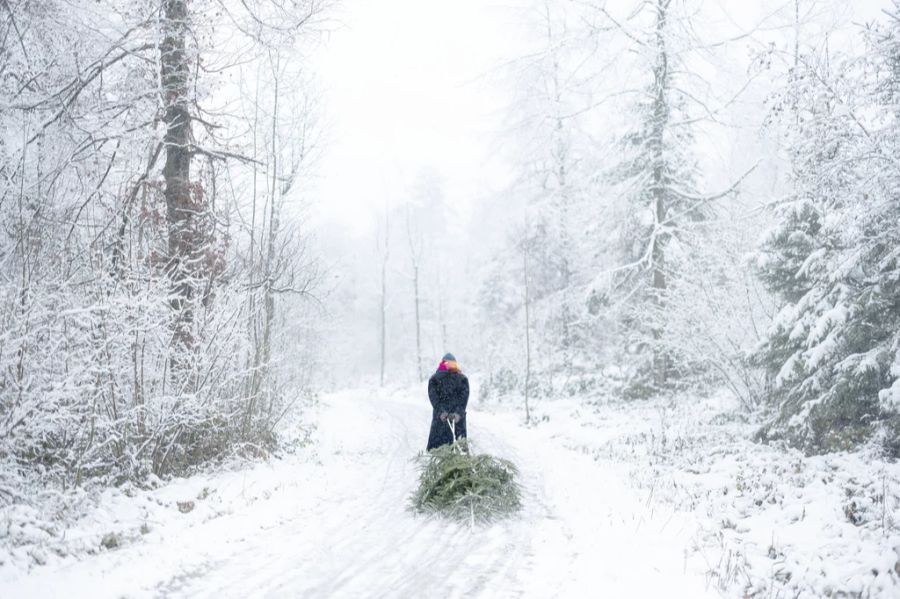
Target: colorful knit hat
{"type": "Point", "coordinates": [448, 362]}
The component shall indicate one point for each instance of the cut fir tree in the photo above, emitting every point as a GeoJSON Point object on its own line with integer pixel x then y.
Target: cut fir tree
{"type": "Point", "coordinates": [462, 486]}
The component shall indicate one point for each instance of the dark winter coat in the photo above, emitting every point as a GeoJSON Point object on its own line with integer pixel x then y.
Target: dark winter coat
{"type": "Point", "coordinates": [448, 392]}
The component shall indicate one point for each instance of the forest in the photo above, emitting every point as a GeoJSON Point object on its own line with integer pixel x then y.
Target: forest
{"type": "Point", "coordinates": [660, 236]}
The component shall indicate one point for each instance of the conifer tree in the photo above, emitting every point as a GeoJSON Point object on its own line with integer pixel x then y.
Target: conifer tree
{"type": "Point", "coordinates": [832, 258]}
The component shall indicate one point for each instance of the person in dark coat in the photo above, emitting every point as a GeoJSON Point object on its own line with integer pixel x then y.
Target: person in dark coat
{"type": "Point", "coordinates": [448, 391]}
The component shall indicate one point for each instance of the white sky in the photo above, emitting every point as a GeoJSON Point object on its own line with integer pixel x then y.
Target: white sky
{"type": "Point", "coordinates": [407, 86]}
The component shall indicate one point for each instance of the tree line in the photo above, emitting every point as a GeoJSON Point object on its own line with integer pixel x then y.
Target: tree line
{"type": "Point", "coordinates": [644, 270]}
{"type": "Point", "coordinates": [690, 208]}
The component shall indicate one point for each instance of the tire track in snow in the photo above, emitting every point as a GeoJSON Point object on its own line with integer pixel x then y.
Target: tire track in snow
{"type": "Point", "coordinates": [446, 559]}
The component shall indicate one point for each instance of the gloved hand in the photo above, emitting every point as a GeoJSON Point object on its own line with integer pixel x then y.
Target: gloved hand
{"type": "Point", "coordinates": [443, 416]}
{"type": "Point", "coordinates": [454, 417]}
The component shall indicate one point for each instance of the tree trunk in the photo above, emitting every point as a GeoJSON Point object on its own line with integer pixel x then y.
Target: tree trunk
{"type": "Point", "coordinates": [527, 332]}
{"type": "Point", "coordinates": [253, 381]}
{"type": "Point", "coordinates": [418, 323]}
{"type": "Point", "coordinates": [415, 254]}
{"type": "Point", "coordinates": [561, 157]}
{"type": "Point", "coordinates": [442, 321]}
{"type": "Point", "coordinates": [660, 122]}
{"type": "Point", "coordinates": [180, 208]}
{"type": "Point", "coordinates": [384, 263]}
{"type": "Point", "coordinates": [385, 256]}
{"type": "Point", "coordinates": [796, 34]}
{"type": "Point", "coordinates": [273, 226]}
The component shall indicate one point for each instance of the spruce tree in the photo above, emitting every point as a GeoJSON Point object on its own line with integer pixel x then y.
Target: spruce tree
{"type": "Point", "coordinates": [832, 258]}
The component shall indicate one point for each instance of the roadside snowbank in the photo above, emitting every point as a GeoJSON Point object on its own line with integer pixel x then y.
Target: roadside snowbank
{"type": "Point", "coordinates": [55, 531]}
{"type": "Point", "coordinates": [771, 521]}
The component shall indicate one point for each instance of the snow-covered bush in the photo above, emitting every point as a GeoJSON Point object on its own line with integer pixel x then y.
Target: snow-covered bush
{"type": "Point", "coordinates": [716, 311]}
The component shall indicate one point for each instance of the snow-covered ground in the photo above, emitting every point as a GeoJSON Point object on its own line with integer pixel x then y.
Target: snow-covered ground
{"type": "Point", "coordinates": [643, 499]}
{"type": "Point", "coordinates": [771, 522]}
{"type": "Point", "coordinates": [332, 521]}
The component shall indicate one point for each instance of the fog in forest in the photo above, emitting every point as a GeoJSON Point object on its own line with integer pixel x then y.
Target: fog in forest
{"type": "Point", "coordinates": [634, 260]}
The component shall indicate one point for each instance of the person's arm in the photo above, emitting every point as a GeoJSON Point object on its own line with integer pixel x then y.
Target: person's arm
{"type": "Point", "coordinates": [462, 399]}
{"type": "Point", "coordinates": [465, 401]}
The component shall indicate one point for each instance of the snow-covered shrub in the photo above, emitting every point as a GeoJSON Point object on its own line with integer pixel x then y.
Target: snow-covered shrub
{"type": "Point", "coordinates": [463, 486]}
{"type": "Point", "coordinates": [715, 312]}
{"type": "Point", "coordinates": [500, 383]}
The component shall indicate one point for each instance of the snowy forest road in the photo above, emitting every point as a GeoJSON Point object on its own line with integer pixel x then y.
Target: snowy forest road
{"type": "Point", "coordinates": [340, 527]}
{"type": "Point", "coordinates": [579, 535]}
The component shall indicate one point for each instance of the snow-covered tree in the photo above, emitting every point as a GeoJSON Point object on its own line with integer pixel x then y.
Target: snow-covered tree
{"type": "Point", "coordinates": [656, 188]}
{"type": "Point", "coordinates": [123, 279]}
{"type": "Point", "coordinates": [548, 202]}
{"type": "Point", "coordinates": [832, 350]}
